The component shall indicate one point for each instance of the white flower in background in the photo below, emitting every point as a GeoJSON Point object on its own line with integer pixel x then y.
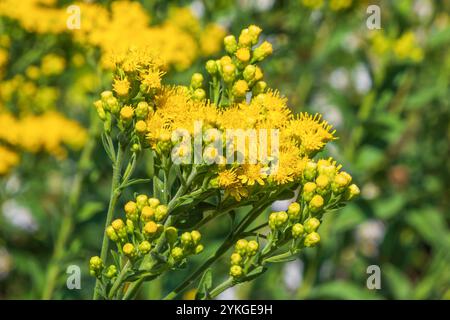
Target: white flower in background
{"type": "Point", "coordinates": [370, 191]}
{"type": "Point", "coordinates": [330, 112]}
{"type": "Point", "coordinates": [339, 79]}
{"type": "Point", "coordinates": [229, 294]}
{"type": "Point", "coordinates": [352, 43]}
{"type": "Point", "coordinates": [293, 274]}
{"type": "Point", "coordinates": [197, 8]}
{"type": "Point", "coordinates": [423, 8]}
{"type": "Point", "coordinates": [19, 216]}
{"type": "Point", "coordinates": [5, 263]}
{"type": "Point", "coordinates": [362, 79]}
{"type": "Point", "coordinates": [258, 5]}
{"type": "Point", "coordinates": [13, 184]}
{"type": "Point", "coordinates": [369, 235]}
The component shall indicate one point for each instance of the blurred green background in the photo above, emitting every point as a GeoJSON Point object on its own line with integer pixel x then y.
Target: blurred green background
{"type": "Point", "coordinates": [386, 92]}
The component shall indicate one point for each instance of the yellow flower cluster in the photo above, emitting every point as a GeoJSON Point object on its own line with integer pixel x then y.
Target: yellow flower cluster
{"type": "Point", "coordinates": [334, 5]}
{"type": "Point", "coordinates": [180, 39]}
{"type": "Point", "coordinates": [404, 48]}
{"type": "Point", "coordinates": [48, 132]}
{"type": "Point", "coordinates": [8, 160]}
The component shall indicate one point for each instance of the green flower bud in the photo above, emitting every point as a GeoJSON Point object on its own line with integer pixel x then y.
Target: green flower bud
{"type": "Point", "coordinates": [142, 109]}
{"type": "Point", "coordinates": [308, 191]}
{"type": "Point", "coordinates": [236, 259]}
{"type": "Point", "coordinates": [147, 213]}
{"type": "Point", "coordinates": [129, 250]}
{"type": "Point", "coordinates": [294, 210]}
{"type": "Point", "coordinates": [254, 32]}
{"type": "Point", "coordinates": [311, 239]}
{"type": "Point", "coordinates": [199, 249]}
{"type": "Point", "coordinates": [111, 272]}
{"type": "Point", "coordinates": [236, 271]}
{"type": "Point", "coordinates": [241, 247]}
{"type": "Point", "coordinates": [105, 95]}
{"type": "Point", "coordinates": [211, 67]}
{"type": "Point", "coordinates": [228, 72]}
{"type": "Point", "coordinates": [96, 266]}
{"type": "Point", "coordinates": [171, 234]}
{"type": "Point", "coordinates": [120, 228]}
{"type": "Point", "coordinates": [199, 94]}
{"type": "Point", "coordinates": [297, 230]}
{"type": "Point", "coordinates": [160, 212]}
{"type": "Point", "coordinates": [153, 202]}
{"type": "Point", "coordinates": [113, 105]}
{"type": "Point", "coordinates": [249, 73]}
{"type": "Point", "coordinates": [145, 247]}
{"type": "Point", "coordinates": [281, 219]}
{"type": "Point", "coordinates": [310, 171]}
{"type": "Point", "coordinates": [112, 235]}
{"type": "Point", "coordinates": [311, 225]}
{"type": "Point", "coordinates": [230, 44]}
{"type": "Point", "coordinates": [316, 203]}
{"type": "Point", "coordinates": [130, 226]}
{"type": "Point", "coordinates": [186, 239]}
{"type": "Point", "coordinates": [259, 87]}
{"type": "Point", "coordinates": [252, 247]}
{"type": "Point", "coordinates": [197, 80]}
{"type": "Point", "coordinates": [351, 192]}
{"type": "Point", "coordinates": [141, 201]}
{"type": "Point", "coordinates": [100, 110]}
{"type": "Point", "coordinates": [196, 236]}
{"type": "Point", "coordinates": [177, 253]}
{"type": "Point", "coordinates": [263, 51]}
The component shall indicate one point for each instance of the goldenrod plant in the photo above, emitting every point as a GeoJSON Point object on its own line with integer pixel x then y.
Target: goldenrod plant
{"type": "Point", "coordinates": [205, 164]}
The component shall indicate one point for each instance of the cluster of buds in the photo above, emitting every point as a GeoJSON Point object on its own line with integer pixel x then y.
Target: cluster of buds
{"type": "Point", "coordinates": [238, 70]}
{"type": "Point", "coordinates": [242, 256]}
{"type": "Point", "coordinates": [187, 244]}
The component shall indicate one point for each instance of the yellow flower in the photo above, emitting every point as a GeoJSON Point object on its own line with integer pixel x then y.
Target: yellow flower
{"type": "Point", "coordinates": [227, 178]}
{"type": "Point", "coordinates": [252, 173]}
{"type": "Point", "coordinates": [121, 86]}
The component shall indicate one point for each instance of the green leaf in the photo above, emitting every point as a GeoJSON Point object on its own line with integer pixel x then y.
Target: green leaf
{"type": "Point", "coordinates": [431, 226]}
{"type": "Point", "coordinates": [255, 273]}
{"type": "Point", "coordinates": [399, 284]}
{"type": "Point", "coordinates": [343, 291]}
{"type": "Point", "coordinates": [205, 285]}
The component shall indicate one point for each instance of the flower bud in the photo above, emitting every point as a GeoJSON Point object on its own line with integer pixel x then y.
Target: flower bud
{"type": "Point", "coordinates": [297, 230]}
{"type": "Point", "coordinates": [351, 192]}
{"type": "Point", "coordinates": [111, 233]}
{"type": "Point", "coordinates": [225, 60]}
{"type": "Point", "coordinates": [150, 229]}
{"type": "Point", "coordinates": [228, 72]}
{"type": "Point", "coordinates": [121, 86]}
{"type": "Point", "coordinates": [171, 234]}
{"type": "Point", "coordinates": [311, 225]}
{"type": "Point", "coordinates": [199, 249]}
{"type": "Point", "coordinates": [263, 51]}
{"type": "Point", "coordinates": [126, 113]}
{"type": "Point", "coordinates": [147, 213]}
{"type": "Point", "coordinates": [130, 226]}
{"type": "Point", "coordinates": [161, 212]}
{"type": "Point", "coordinates": [197, 80]}
{"type": "Point", "coordinates": [111, 271]}
{"type": "Point", "coordinates": [323, 184]}
{"type": "Point", "coordinates": [100, 110]}
{"type": "Point", "coordinates": [131, 210]}
{"type": "Point", "coordinates": [105, 95]}
{"type": "Point", "coordinates": [240, 88]}
{"type": "Point", "coordinates": [236, 259]}
{"type": "Point", "coordinates": [141, 201]}
{"type": "Point", "coordinates": [258, 74]}
{"type": "Point", "coordinates": [249, 73]}
{"type": "Point", "coordinates": [230, 44]}
{"type": "Point", "coordinates": [196, 236]}
{"type": "Point", "coordinates": [186, 239]}
{"type": "Point", "coordinates": [140, 127]}
{"type": "Point", "coordinates": [308, 191]}
{"type": "Point", "coordinates": [252, 247]}
{"type": "Point", "coordinates": [254, 32]}
{"type": "Point", "coordinates": [142, 109]}
{"type": "Point", "coordinates": [120, 228]}
{"type": "Point", "coordinates": [245, 39]}
{"type": "Point", "coordinates": [113, 105]}
{"type": "Point", "coordinates": [153, 202]}
{"type": "Point", "coordinates": [236, 271]}
{"type": "Point", "coordinates": [311, 239]}
{"type": "Point", "coordinates": [199, 94]}
{"type": "Point", "coordinates": [243, 55]}
{"type": "Point", "coordinates": [259, 87]}
{"type": "Point", "coordinates": [279, 219]}
{"type": "Point", "coordinates": [96, 266]}
{"type": "Point", "coordinates": [241, 247]}
{"type": "Point", "coordinates": [341, 181]}
{"type": "Point", "coordinates": [145, 247]}
{"type": "Point", "coordinates": [177, 253]}
{"type": "Point", "coordinates": [316, 203]}
{"type": "Point", "coordinates": [211, 67]}
{"type": "Point", "coordinates": [294, 210]}
{"type": "Point", "coordinates": [310, 171]}
{"type": "Point", "coordinates": [129, 250]}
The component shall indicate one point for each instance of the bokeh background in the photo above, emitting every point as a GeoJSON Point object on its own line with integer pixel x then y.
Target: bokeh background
{"type": "Point", "coordinates": [385, 91]}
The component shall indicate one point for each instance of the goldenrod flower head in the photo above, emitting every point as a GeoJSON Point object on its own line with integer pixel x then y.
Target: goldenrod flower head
{"type": "Point", "coordinates": [241, 247]}
{"type": "Point", "coordinates": [111, 271]}
{"type": "Point", "coordinates": [245, 39]}
{"type": "Point", "coordinates": [186, 239]}
{"type": "Point", "coordinates": [230, 44]}
{"type": "Point", "coordinates": [243, 54]}
{"type": "Point", "coordinates": [171, 234]}
{"type": "Point", "coordinates": [129, 250]}
{"type": "Point", "coordinates": [118, 224]}
{"type": "Point", "coordinates": [197, 80]}
{"type": "Point", "coordinates": [322, 181]}
{"type": "Point", "coordinates": [95, 266]}
{"type": "Point", "coordinates": [196, 236]}
{"type": "Point", "coordinates": [141, 200]}
{"type": "Point", "coordinates": [177, 253]}
{"type": "Point", "coordinates": [311, 225]}
{"type": "Point", "coordinates": [240, 88]}
{"type": "Point", "coordinates": [254, 32]}
{"type": "Point", "coordinates": [141, 127]}
{"type": "Point", "coordinates": [151, 80]}
{"type": "Point", "coordinates": [130, 208]}
{"type": "Point", "coordinates": [228, 72]}
{"type": "Point", "coordinates": [199, 94]}
{"type": "Point", "coordinates": [161, 212]}
{"type": "Point", "coordinates": [258, 74]}
{"type": "Point", "coordinates": [153, 202]}
{"type": "Point", "coordinates": [311, 239]}
{"type": "Point", "coordinates": [105, 95]}
{"type": "Point", "coordinates": [263, 51]}
{"type": "Point", "coordinates": [142, 110]}
{"type": "Point", "coordinates": [211, 67]}
{"type": "Point", "coordinates": [310, 171]}
{"type": "Point", "coordinates": [316, 203]}
{"type": "Point", "coordinates": [227, 178]}
{"type": "Point", "coordinates": [126, 113]}
{"type": "Point", "coordinates": [111, 233]}
{"type": "Point", "coordinates": [351, 192]}
{"type": "Point", "coordinates": [294, 210]}
{"type": "Point", "coordinates": [145, 247]}
{"type": "Point", "coordinates": [236, 271]}
{"type": "Point", "coordinates": [150, 229]}
{"type": "Point", "coordinates": [121, 86]}
{"type": "Point", "coordinates": [252, 247]}
{"type": "Point", "coordinates": [251, 173]}
{"type": "Point", "coordinates": [147, 213]}
{"type": "Point", "coordinates": [236, 259]}
{"type": "Point", "coordinates": [249, 73]}
{"type": "Point", "coordinates": [297, 230]}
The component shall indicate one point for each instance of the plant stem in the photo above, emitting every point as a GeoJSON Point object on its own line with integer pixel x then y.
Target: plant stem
{"type": "Point", "coordinates": [114, 196]}
{"type": "Point", "coordinates": [119, 280]}
{"type": "Point", "coordinates": [222, 287]}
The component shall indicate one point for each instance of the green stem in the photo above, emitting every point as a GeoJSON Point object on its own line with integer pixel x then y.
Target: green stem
{"type": "Point", "coordinates": [114, 196]}
{"type": "Point", "coordinates": [119, 280]}
{"type": "Point", "coordinates": [222, 287]}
